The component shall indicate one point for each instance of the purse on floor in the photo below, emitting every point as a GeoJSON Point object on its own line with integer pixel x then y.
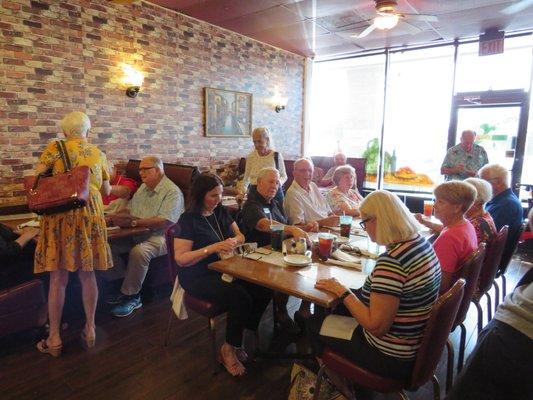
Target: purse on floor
{"type": "Point", "coordinates": [60, 192]}
{"type": "Point", "coordinates": [303, 382]}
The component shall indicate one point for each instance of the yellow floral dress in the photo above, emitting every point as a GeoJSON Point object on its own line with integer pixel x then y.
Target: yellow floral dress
{"type": "Point", "coordinates": [75, 239]}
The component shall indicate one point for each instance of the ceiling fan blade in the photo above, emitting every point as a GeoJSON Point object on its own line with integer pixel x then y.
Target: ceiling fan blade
{"type": "Point", "coordinates": [412, 29]}
{"type": "Point", "coordinates": [420, 17]}
{"type": "Point", "coordinates": [366, 31]}
{"type": "Point", "coordinates": [517, 7]}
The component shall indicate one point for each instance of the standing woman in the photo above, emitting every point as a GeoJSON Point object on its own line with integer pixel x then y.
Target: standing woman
{"type": "Point", "coordinates": [208, 233]}
{"type": "Point", "coordinates": [262, 157]}
{"type": "Point", "coordinates": [74, 240]}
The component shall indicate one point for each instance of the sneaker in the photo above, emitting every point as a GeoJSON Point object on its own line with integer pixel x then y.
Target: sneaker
{"type": "Point", "coordinates": [115, 298]}
{"type": "Point", "coordinates": [127, 306]}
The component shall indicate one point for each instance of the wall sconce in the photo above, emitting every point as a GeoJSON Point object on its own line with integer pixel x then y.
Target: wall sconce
{"type": "Point", "coordinates": [280, 103]}
{"type": "Point", "coordinates": [133, 79]}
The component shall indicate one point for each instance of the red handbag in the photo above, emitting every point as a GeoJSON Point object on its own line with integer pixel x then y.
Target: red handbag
{"type": "Point", "coordinates": [60, 192]}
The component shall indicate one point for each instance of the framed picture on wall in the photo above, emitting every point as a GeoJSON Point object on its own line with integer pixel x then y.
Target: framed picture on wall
{"type": "Point", "coordinates": [227, 113]}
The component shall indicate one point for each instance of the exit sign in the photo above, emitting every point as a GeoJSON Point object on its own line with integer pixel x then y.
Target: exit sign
{"type": "Point", "coordinates": [491, 43]}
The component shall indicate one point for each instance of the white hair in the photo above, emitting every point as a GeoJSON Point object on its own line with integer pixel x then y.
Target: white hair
{"type": "Point", "coordinates": [302, 159]}
{"type": "Point", "coordinates": [341, 171]}
{"type": "Point", "coordinates": [76, 124]}
{"type": "Point", "coordinates": [265, 134]}
{"type": "Point", "coordinates": [265, 171]}
{"type": "Point", "coordinates": [483, 189]}
{"type": "Point", "coordinates": [158, 163]}
{"type": "Point", "coordinates": [495, 171]}
{"type": "Point", "coordinates": [394, 222]}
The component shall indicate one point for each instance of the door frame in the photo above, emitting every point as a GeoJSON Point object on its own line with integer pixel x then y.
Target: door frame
{"type": "Point", "coordinates": [496, 98]}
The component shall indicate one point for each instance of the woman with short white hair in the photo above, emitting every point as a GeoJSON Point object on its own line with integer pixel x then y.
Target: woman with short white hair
{"type": "Point", "coordinates": [476, 214]}
{"type": "Point", "coordinates": [262, 156]}
{"type": "Point", "coordinates": [396, 299]}
{"type": "Point", "coordinates": [74, 240]}
{"type": "Point", "coordinates": [344, 198]}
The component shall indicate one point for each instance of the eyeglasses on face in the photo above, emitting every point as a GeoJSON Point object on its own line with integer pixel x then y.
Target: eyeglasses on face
{"type": "Point", "coordinates": [144, 169]}
{"type": "Point", "coordinates": [362, 224]}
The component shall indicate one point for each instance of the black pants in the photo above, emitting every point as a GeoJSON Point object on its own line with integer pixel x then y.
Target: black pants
{"type": "Point", "coordinates": [500, 367]}
{"type": "Point", "coordinates": [358, 350]}
{"type": "Point", "coordinates": [244, 301]}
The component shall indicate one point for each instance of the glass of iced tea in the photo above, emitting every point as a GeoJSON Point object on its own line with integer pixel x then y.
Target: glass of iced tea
{"type": "Point", "coordinates": [346, 225]}
{"type": "Point", "coordinates": [325, 245]}
{"type": "Point", "coordinates": [428, 207]}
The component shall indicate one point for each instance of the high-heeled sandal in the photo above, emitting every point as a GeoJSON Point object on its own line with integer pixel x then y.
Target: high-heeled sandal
{"type": "Point", "coordinates": [241, 354]}
{"type": "Point", "coordinates": [233, 367]}
{"type": "Point", "coordinates": [87, 342]}
{"type": "Point", "coordinates": [54, 351]}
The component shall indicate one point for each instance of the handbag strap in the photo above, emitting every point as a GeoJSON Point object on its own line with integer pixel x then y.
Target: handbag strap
{"type": "Point", "coordinates": [64, 154]}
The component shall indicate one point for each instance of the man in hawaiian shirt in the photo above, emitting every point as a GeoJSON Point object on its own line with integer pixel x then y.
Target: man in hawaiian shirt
{"type": "Point", "coordinates": [465, 159]}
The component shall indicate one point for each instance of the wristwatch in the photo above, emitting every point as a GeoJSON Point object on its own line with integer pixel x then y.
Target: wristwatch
{"type": "Point", "coordinates": [133, 223]}
{"type": "Point", "coordinates": [344, 295]}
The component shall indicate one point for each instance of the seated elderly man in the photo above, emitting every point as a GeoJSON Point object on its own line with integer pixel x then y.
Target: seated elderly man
{"type": "Point", "coordinates": [122, 188]}
{"type": "Point", "coordinates": [259, 212]}
{"type": "Point", "coordinates": [464, 159]}
{"type": "Point", "coordinates": [505, 207]}
{"type": "Point", "coordinates": [339, 159]}
{"type": "Point", "coordinates": [157, 204]}
{"type": "Point", "coordinates": [304, 204]}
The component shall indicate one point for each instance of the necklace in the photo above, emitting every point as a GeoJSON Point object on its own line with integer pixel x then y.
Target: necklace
{"type": "Point", "coordinates": [221, 236]}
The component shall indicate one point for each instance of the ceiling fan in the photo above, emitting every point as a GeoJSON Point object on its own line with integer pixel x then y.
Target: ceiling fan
{"type": "Point", "coordinates": [517, 7]}
{"type": "Point", "coordinates": [388, 18]}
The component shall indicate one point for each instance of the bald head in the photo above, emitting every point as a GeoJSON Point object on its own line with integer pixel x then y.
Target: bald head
{"type": "Point", "coordinates": [467, 139]}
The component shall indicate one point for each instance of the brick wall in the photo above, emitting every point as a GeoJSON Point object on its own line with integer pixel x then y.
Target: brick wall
{"type": "Point", "coordinates": [58, 57]}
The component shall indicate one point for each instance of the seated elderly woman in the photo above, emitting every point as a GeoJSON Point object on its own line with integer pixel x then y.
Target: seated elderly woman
{"type": "Point", "coordinates": [457, 239]}
{"type": "Point", "coordinates": [344, 198]}
{"type": "Point", "coordinates": [207, 233]}
{"type": "Point", "coordinates": [397, 297]}
{"type": "Point", "coordinates": [476, 214]}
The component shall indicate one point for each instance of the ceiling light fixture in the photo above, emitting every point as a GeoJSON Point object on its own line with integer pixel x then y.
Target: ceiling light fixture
{"type": "Point", "coordinates": [386, 21]}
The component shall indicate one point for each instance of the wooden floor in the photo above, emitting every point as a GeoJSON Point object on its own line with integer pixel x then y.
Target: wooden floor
{"type": "Point", "coordinates": [131, 362]}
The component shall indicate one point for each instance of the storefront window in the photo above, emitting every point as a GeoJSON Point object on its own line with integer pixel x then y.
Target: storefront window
{"type": "Point", "coordinates": [347, 109]}
{"type": "Point", "coordinates": [417, 116]}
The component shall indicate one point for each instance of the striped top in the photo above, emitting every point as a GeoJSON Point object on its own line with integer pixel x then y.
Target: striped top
{"type": "Point", "coordinates": [409, 270]}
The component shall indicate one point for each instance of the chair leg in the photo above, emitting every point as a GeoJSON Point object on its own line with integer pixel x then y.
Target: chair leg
{"type": "Point", "coordinates": [318, 382]}
{"type": "Point", "coordinates": [504, 287]}
{"type": "Point", "coordinates": [436, 387]}
{"type": "Point", "coordinates": [169, 326]}
{"type": "Point", "coordinates": [462, 345]}
{"type": "Point", "coordinates": [496, 294]}
{"type": "Point", "coordinates": [402, 395]}
{"type": "Point", "coordinates": [213, 337]}
{"type": "Point", "coordinates": [479, 316]}
{"type": "Point", "coordinates": [489, 307]}
{"type": "Point", "coordinates": [449, 365]}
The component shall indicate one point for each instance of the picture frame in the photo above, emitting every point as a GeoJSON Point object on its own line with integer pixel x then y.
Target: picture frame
{"type": "Point", "coordinates": [228, 113]}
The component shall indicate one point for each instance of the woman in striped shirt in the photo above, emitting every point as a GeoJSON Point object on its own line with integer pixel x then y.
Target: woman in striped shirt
{"type": "Point", "coordinates": [396, 299]}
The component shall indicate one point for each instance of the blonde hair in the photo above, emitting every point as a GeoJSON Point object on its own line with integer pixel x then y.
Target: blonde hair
{"type": "Point", "coordinates": [457, 192]}
{"type": "Point", "coordinates": [76, 124]}
{"type": "Point", "coordinates": [343, 170]}
{"type": "Point", "coordinates": [394, 222]}
{"type": "Point", "coordinates": [483, 189]}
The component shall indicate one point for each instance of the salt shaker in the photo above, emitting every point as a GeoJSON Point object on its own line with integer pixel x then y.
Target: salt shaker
{"type": "Point", "coordinates": [301, 246]}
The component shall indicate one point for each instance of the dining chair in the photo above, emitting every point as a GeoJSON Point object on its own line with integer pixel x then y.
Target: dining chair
{"type": "Point", "coordinates": [470, 273]}
{"type": "Point", "coordinates": [436, 332]}
{"type": "Point", "coordinates": [489, 268]}
{"type": "Point", "coordinates": [507, 256]}
{"type": "Point", "coordinates": [207, 309]}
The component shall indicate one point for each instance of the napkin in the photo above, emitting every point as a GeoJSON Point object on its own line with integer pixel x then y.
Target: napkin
{"type": "Point", "coordinates": [346, 264]}
{"type": "Point", "coordinates": [33, 223]}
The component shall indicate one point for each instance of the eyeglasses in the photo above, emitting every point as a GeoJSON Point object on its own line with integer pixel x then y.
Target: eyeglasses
{"type": "Point", "coordinates": [362, 224]}
{"type": "Point", "coordinates": [144, 169]}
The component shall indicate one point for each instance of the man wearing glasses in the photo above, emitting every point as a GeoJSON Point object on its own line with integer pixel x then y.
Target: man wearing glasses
{"type": "Point", "coordinates": [465, 159]}
{"type": "Point", "coordinates": [157, 204]}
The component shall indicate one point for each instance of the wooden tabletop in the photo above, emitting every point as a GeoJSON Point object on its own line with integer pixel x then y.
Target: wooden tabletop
{"type": "Point", "coordinates": [294, 281]}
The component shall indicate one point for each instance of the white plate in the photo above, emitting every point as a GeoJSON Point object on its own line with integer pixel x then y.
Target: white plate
{"type": "Point", "coordinates": [297, 260]}
{"type": "Point", "coordinates": [342, 239]}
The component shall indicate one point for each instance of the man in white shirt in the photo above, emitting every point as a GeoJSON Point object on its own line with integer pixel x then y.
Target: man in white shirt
{"type": "Point", "coordinates": [304, 205]}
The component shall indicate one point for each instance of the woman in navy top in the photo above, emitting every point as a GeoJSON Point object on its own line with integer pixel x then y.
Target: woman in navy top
{"type": "Point", "coordinates": [207, 234]}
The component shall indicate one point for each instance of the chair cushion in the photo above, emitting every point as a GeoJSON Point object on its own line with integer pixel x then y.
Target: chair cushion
{"type": "Point", "coordinates": [360, 376]}
{"type": "Point", "coordinates": [203, 307]}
